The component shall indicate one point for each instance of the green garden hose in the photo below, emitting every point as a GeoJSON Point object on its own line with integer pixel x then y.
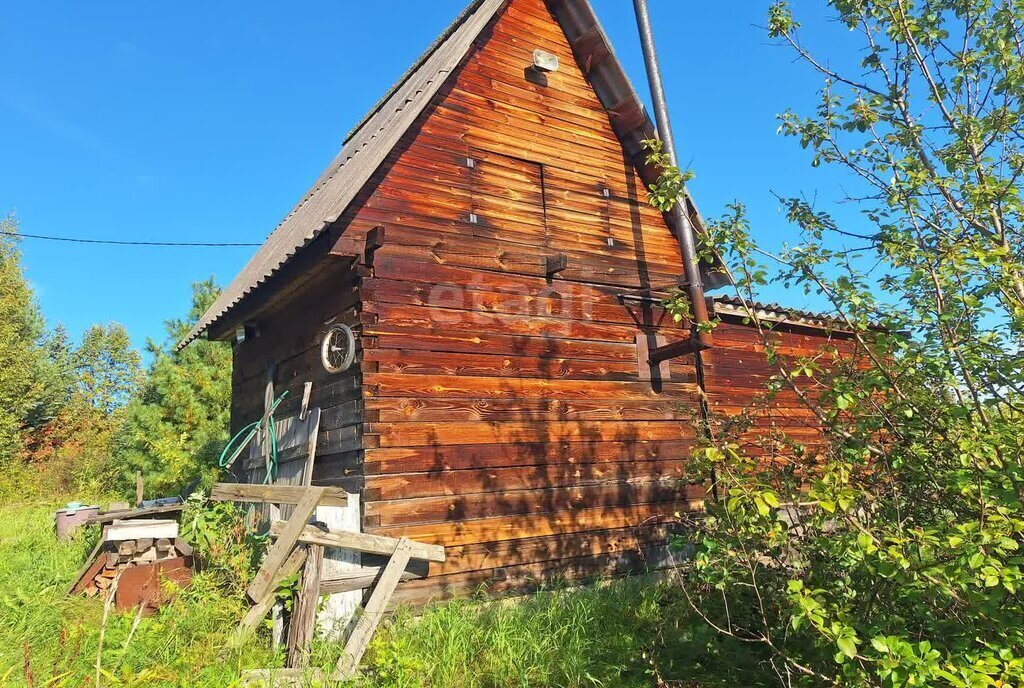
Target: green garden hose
{"type": "Point", "coordinates": [244, 436]}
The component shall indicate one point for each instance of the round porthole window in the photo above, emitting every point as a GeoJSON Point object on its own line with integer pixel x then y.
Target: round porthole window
{"type": "Point", "coordinates": [338, 350]}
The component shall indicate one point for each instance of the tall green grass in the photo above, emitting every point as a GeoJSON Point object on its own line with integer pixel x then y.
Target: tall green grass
{"type": "Point", "coordinates": [629, 633]}
{"type": "Point", "coordinates": [50, 639]}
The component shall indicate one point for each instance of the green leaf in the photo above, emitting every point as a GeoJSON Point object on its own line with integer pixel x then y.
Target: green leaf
{"type": "Point", "coordinates": [847, 645]}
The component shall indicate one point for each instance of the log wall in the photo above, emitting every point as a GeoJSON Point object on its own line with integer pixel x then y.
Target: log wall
{"type": "Point", "coordinates": [505, 415]}
{"type": "Point", "coordinates": [777, 426]}
{"type": "Point", "coordinates": [497, 408]}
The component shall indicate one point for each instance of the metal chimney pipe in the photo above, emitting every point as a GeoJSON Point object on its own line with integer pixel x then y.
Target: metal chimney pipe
{"type": "Point", "coordinates": [680, 215]}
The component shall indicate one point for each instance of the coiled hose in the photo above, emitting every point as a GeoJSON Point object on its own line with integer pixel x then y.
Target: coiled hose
{"type": "Point", "coordinates": [244, 436]}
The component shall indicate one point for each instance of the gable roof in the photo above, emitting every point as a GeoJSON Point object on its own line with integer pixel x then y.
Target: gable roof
{"type": "Point", "coordinates": [374, 137]}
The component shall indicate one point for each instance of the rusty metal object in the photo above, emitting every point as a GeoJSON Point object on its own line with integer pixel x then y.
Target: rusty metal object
{"type": "Point", "coordinates": [145, 584]}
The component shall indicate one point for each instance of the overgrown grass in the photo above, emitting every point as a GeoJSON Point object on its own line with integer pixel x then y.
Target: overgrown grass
{"type": "Point", "coordinates": [628, 633]}
{"type": "Point", "coordinates": [50, 639]}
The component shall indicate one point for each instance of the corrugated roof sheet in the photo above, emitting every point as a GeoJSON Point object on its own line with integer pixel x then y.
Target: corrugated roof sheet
{"type": "Point", "coordinates": [734, 305]}
{"type": "Point", "coordinates": [364, 150]}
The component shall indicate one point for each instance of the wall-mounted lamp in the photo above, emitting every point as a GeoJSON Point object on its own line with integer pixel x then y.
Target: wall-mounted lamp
{"type": "Point", "coordinates": [543, 61]}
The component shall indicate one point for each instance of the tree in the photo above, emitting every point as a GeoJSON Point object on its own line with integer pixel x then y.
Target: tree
{"type": "Point", "coordinates": [896, 560]}
{"type": "Point", "coordinates": [25, 401]}
{"type": "Point", "coordinates": [108, 369]}
{"type": "Point", "coordinates": [176, 427]}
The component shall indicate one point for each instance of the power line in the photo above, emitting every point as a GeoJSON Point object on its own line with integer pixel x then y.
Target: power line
{"type": "Point", "coordinates": [113, 242]}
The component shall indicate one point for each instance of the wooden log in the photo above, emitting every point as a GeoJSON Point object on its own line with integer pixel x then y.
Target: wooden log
{"type": "Point", "coordinates": [274, 494]}
{"type": "Point", "coordinates": [183, 547]}
{"type": "Point", "coordinates": [374, 610]}
{"type": "Point", "coordinates": [360, 542]}
{"type": "Point", "coordinates": [303, 619]}
{"type": "Point", "coordinates": [282, 547]}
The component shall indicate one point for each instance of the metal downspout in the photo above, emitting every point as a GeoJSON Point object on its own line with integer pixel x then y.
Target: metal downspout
{"type": "Point", "coordinates": [681, 218]}
{"type": "Point", "coordinates": [682, 222]}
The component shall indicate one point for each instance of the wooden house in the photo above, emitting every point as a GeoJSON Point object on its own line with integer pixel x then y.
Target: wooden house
{"type": "Point", "coordinates": [469, 294]}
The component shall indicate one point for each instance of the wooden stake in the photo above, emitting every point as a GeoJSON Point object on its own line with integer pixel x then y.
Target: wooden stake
{"type": "Point", "coordinates": [303, 621]}
{"type": "Point", "coordinates": [139, 488]}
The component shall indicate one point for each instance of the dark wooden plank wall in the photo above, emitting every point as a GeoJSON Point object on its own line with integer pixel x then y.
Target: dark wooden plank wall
{"type": "Point", "coordinates": [505, 416]}
{"type": "Point", "coordinates": [289, 338]}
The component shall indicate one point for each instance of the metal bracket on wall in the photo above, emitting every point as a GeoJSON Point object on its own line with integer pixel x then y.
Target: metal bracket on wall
{"type": "Point", "coordinates": [653, 353]}
{"type": "Point", "coordinates": [683, 347]}
{"type": "Point", "coordinates": [555, 264]}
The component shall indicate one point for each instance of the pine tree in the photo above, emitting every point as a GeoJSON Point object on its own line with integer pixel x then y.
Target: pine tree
{"type": "Point", "coordinates": [175, 429]}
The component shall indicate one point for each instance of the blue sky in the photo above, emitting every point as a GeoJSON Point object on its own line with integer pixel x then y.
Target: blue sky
{"type": "Point", "coordinates": [206, 122]}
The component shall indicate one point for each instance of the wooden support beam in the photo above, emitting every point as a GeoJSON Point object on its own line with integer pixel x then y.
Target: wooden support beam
{"type": "Point", "coordinates": [356, 580]}
{"type": "Point", "coordinates": [284, 544]}
{"type": "Point", "coordinates": [92, 566]}
{"type": "Point", "coordinates": [359, 249]}
{"type": "Point", "coordinates": [374, 241]}
{"type": "Point", "coordinates": [133, 513]}
{"type": "Point", "coordinates": [348, 247]}
{"type": "Point", "coordinates": [368, 621]}
{"type": "Point", "coordinates": [303, 619]}
{"type": "Point", "coordinates": [274, 494]}
{"type": "Point", "coordinates": [259, 610]}
{"type": "Point", "coordinates": [360, 542]}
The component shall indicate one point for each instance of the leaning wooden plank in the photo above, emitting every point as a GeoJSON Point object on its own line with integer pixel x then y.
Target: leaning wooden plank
{"type": "Point", "coordinates": [93, 564]}
{"type": "Point", "coordinates": [280, 550]}
{"type": "Point", "coordinates": [359, 579]}
{"type": "Point", "coordinates": [273, 494]}
{"type": "Point", "coordinates": [368, 621]}
{"type": "Point", "coordinates": [281, 677]}
{"type": "Point", "coordinates": [134, 513]}
{"type": "Point", "coordinates": [259, 610]}
{"type": "Point", "coordinates": [303, 619]}
{"type": "Point", "coordinates": [360, 542]}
